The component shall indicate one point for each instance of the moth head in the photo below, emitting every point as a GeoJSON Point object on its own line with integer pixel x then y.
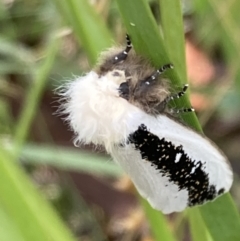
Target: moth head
{"type": "Point", "coordinates": [113, 84]}
{"type": "Point", "coordinates": [118, 79]}
{"type": "Point", "coordinates": [132, 80]}
{"type": "Point", "coordinates": [143, 92]}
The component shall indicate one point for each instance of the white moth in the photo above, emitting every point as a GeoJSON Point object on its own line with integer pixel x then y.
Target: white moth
{"type": "Point", "coordinates": [122, 105]}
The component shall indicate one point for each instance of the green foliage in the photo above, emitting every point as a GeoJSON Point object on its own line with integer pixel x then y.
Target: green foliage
{"type": "Point", "coordinates": [32, 215]}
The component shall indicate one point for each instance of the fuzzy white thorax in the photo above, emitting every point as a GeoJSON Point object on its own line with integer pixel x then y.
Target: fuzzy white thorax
{"type": "Point", "coordinates": [96, 112]}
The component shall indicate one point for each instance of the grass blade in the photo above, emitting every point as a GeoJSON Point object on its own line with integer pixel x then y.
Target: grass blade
{"type": "Point", "coordinates": [172, 25]}
{"type": "Point", "coordinates": [222, 219]}
{"type": "Point", "coordinates": [34, 95]}
{"type": "Point", "coordinates": [70, 159]}
{"type": "Point", "coordinates": [159, 227]}
{"type": "Point", "coordinates": [89, 28]}
{"type": "Point", "coordinates": [34, 217]}
{"type": "Point", "coordinates": [197, 226]}
{"type": "Point", "coordinates": [8, 230]}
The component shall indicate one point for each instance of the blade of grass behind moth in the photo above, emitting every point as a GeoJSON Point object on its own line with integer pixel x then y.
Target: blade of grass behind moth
{"type": "Point", "coordinates": [143, 31]}
{"type": "Point", "coordinates": [147, 41]}
{"type": "Point", "coordinates": [89, 28]}
{"type": "Point", "coordinates": [222, 219]}
{"type": "Point", "coordinates": [160, 228]}
{"type": "Point", "coordinates": [8, 229]}
{"type": "Point", "coordinates": [33, 216]}
{"type": "Point", "coordinates": [173, 32]}
{"type": "Point", "coordinates": [197, 226]}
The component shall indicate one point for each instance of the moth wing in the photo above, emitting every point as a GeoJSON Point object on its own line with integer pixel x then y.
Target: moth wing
{"type": "Point", "coordinates": [199, 148]}
{"type": "Point", "coordinates": [152, 183]}
{"type": "Point", "coordinates": [157, 189]}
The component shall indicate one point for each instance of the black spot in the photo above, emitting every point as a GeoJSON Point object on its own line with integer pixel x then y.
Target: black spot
{"type": "Point", "coordinates": [221, 191]}
{"type": "Point", "coordinates": [183, 171]}
{"type": "Point", "coordinates": [124, 90]}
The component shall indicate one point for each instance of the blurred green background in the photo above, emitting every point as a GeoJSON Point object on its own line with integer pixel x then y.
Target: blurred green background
{"type": "Point", "coordinates": [51, 190]}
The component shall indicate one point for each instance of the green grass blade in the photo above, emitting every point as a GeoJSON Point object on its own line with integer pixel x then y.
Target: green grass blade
{"type": "Point", "coordinates": [89, 28]}
{"type": "Point", "coordinates": [222, 219]}
{"type": "Point", "coordinates": [159, 227]}
{"type": "Point", "coordinates": [143, 31]}
{"type": "Point", "coordinates": [8, 229]}
{"type": "Point", "coordinates": [172, 25]}
{"type": "Point", "coordinates": [70, 159]}
{"type": "Point", "coordinates": [33, 216]}
{"type": "Point", "coordinates": [197, 226]}
{"type": "Point", "coordinates": [34, 94]}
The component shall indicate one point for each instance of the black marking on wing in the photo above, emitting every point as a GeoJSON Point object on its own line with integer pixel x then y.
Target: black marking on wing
{"type": "Point", "coordinates": [173, 162]}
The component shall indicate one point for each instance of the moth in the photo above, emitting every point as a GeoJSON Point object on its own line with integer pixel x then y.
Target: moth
{"type": "Point", "coordinates": [122, 104]}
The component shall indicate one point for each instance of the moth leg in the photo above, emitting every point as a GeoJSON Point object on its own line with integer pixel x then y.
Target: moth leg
{"type": "Point", "coordinates": [162, 106]}
{"type": "Point", "coordinates": [123, 55]}
{"type": "Point", "coordinates": [157, 73]}
{"type": "Point", "coordinates": [151, 79]}
{"type": "Point", "coordinates": [183, 110]}
{"type": "Point", "coordinates": [178, 95]}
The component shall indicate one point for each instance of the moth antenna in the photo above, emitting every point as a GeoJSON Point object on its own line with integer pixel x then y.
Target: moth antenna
{"type": "Point", "coordinates": [178, 95]}
{"type": "Point", "coordinates": [123, 55]}
{"type": "Point", "coordinates": [183, 110]}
